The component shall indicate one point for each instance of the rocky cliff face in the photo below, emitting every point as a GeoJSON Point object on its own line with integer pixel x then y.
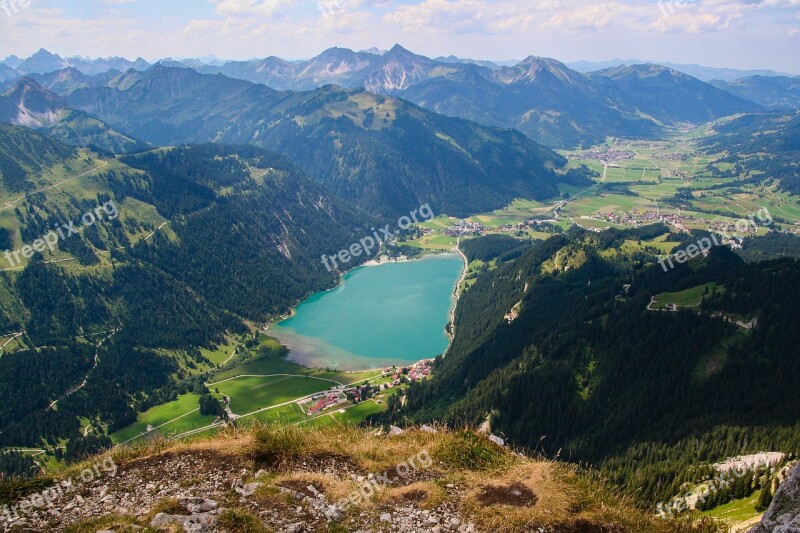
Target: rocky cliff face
{"type": "Point", "coordinates": [783, 516]}
{"type": "Point", "coordinates": [331, 479]}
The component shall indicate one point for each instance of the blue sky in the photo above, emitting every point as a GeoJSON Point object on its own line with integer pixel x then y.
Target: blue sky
{"type": "Point", "coordinates": [738, 33]}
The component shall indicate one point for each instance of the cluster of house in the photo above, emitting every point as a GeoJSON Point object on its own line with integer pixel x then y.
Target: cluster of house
{"type": "Point", "coordinates": [607, 156]}
{"type": "Point", "coordinates": [464, 227]}
{"type": "Point", "coordinates": [413, 373]}
{"type": "Point", "coordinates": [671, 156]}
{"type": "Point", "coordinates": [341, 393]}
{"type": "Point", "coordinates": [324, 401]}
{"type": "Point", "coordinates": [637, 218]}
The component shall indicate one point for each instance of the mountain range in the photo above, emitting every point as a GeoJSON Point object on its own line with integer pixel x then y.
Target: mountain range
{"type": "Point", "coordinates": [700, 72]}
{"type": "Point", "coordinates": [543, 98]}
{"type": "Point", "coordinates": [772, 92]}
{"type": "Point", "coordinates": [27, 104]}
{"type": "Point", "coordinates": [43, 62]}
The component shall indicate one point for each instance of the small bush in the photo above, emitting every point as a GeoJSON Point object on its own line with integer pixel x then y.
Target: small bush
{"type": "Point", "coordinates": [467, 450]}
{"type": "Point", "coordinates": [280, 442]}
{"type": "Point", "coordinates": [168, 506]}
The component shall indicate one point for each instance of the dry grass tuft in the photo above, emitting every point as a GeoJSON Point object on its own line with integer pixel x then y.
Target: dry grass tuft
{"type": "Point", "coordinates": [241, 521]}
{"type": "Point", "coordinates": [168, 506]}
{"type": "Point", "coordinates": [467, 450]}
{"type": "Point", "coordinates": [119, 524]}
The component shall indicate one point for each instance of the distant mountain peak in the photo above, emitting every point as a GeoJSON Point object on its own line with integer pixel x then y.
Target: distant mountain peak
{"type": "Point", "coordinates": [536, 61]}
{"type": "Point", "coordinates": [336, 51]}
{"type": "Point", "coordinates": [532, 67]}
{"type": "Point", "coordinates": [642, 70]}
{"type": "Point", "coordinates": [29, 104]}
{"type": "Point", "coordinates": [42, 53]}
{"type": "Point", "coordinates": [374, 51]}
{"type": "Point", "coordinates": [398, 51]}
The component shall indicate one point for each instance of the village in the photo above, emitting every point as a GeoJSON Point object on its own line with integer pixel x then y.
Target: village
{"type": "Point", "coordinates": [612, 155]}
{"type": "Point", "coordinates": [342, 395]}
{"type": "Point", "coordinates": [637, 218]}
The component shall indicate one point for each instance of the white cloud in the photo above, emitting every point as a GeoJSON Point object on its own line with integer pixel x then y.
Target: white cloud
{"type": "Point", "coordinates": [509, 16]}
{"type": "Point", "coordinates": [464, 16]}
{"type": "Point", "coordinates": [263, 8]}
{"type": "Point", "coordinates": [749, 33]}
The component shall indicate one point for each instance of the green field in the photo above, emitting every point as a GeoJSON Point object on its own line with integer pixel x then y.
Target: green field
{"type": "Point", "coordinates": [284, 415]}
{"type": "Point", "coordinates": [434, 242]}
{"type": "Point", "coordinates": [161, 415]}
{"type": "Point", "coordinates": [735, 511]}
{"type": "Point", "coordinates": [688, 298]}
{"type": "Point", "coordinates": [240, 380]}
{"type": "Point", "coordinates": [440, 222]}
{"type": "Point", "coordinates": [269, 357]}
{"type": "Point", "coordinates": [660, 243]}
{"type": "Point", "coordinates": [517, 212]}
{"type": "Point", "coordinates": [250, 394]}
{"type": "Point", "coordinates": [352, 415]}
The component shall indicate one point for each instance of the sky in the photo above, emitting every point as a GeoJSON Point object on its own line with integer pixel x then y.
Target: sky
{"type": "Point", "coordinates": [748, 34]}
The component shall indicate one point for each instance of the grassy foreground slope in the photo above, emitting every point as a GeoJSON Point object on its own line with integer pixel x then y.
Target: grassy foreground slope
{"type": "Point", "coordinates": [311, 479]}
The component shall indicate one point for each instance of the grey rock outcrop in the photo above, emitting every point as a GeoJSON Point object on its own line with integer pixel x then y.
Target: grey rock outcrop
{"type": "Point", "coordinates": [783, 516]}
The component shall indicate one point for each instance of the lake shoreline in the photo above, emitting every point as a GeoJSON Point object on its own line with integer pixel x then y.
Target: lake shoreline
{"type": "Point", "coordinates": [312, 348]}
{"type": "Point", "coordinates": [457, 296]}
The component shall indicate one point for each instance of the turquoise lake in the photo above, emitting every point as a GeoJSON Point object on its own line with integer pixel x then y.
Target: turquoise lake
{"type": "Point", "coordinates": [383, 315]}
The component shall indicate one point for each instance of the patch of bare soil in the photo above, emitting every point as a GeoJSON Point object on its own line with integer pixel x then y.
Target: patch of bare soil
{"type": "Point", "coordinates": [515, 495]}
{"type": "Point", "coordinates": [415, 496]}
{"type": "Point", "coordinates": [585, 526]}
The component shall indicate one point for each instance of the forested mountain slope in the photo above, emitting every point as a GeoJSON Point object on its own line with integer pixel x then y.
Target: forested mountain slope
{"type": "Point", "coordinates": [768, 146]}
{"type": "Point", "coordinates": [188, 243]}
{"type": "Point", "coordinates": [389, 155]}
{"type": "Point", "coordinates": [587, 368]}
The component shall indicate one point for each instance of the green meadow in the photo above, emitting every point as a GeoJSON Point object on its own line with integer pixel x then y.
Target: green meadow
{"type": "Point", "coordinates": [250, 394]}
{"type": "Point", "coordinates": [735, 511]}
{"type": "Point", "coordinates": [186, 409]}
{"type": "Point", "coordinates": [688, 298]}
